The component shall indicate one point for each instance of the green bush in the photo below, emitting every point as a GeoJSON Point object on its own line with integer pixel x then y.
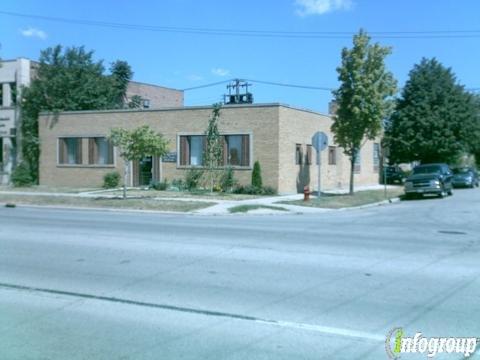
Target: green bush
{"type": "Point", "coordinates": [227, 181]}
{"type": "Point", "coordinates": [22, 176]}
{"type": "Point", "coordinates": [178, 184]}
{"type": "Point", "coordinates": [253, 190]}
{"type": "Point", "coordinates": [257, 175]}
{"type": "Point", "coordinates": [160, 185]}
{"type": "Point", "coordinates": [193, 178]}
{"type": "Point", "coordinates": [268, 190]}
{"type": "Point", "coordinates": [111, 180]}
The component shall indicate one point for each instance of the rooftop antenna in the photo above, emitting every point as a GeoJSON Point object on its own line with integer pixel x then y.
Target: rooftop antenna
{"type": "Point", "coordinates": [235, 96]}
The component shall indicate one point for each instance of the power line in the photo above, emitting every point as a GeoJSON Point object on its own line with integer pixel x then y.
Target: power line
{"type": "Point", "coordinates": [207, 85]}
{"type": "Point", "coordinates": [273, 83]}
{"type": "Point", "coordinates": [309, 87]}
{"type": "Point", "coordinates": [434, 34]}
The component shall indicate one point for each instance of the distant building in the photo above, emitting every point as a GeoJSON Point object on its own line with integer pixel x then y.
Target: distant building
{"type": "Point", "coordinates": [75, 151]}
{"type": "Point", "coordinates": [154, 96]}
{"type": "Point", "coordinates": [15, 74]}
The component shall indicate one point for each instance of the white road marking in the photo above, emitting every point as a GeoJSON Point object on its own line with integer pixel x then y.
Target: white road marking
{"type": "Point", "coordinates": [326, 330]}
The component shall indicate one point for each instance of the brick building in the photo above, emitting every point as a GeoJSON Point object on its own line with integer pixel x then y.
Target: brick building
{"type": "Point", "coordinates": [75, 152]}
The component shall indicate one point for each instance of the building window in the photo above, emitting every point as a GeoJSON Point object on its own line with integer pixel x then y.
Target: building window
{"type": "Point", "coordinates": [308, 156]}
{"type": "Point", "coordinates": [376, 157]}
{"type": "Point", "coordinates": [146, 103]}
{"type": "Point", "coordinates": [298, 154]}
{"type": "Point", "coordinates": [100, 151]}
{"type": "Point", "coordinates": [191, 150]}
{"type": "Point", "coordinates": [237, 150]}
{"type": "Point", "coordinates": [357, 162]}
{"type": "Point", "coordinates": [70, 151]}
{"type": "Point", "coordinates": [332, 155]}
{"type": "Point", "coordinates": [1, 154]}
{"type": "Point", "coordinates": [13, 92]}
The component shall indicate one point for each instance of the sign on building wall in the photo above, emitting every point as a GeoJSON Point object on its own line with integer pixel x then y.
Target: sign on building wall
{"type": "Point", "coordinates": [170, 157]}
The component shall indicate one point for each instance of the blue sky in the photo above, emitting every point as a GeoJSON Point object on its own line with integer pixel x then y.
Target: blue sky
{"type": "Point", "coordinates": [183, 60]}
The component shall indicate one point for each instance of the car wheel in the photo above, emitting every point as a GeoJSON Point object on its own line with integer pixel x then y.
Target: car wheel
{"type": "Point", "coordinates": [442, 193]}
{"type": "Point", "coordinates": [450, 192]}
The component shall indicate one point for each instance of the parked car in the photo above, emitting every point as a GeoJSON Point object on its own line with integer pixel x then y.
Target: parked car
{"type": "Point", "coordinates": [465, 177]}
{"type": "Point", "coordinates": [429, 179]}
{"type": "Point", "coordinates": [393, 175]}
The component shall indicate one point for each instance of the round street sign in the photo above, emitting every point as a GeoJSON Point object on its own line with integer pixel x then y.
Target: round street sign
{"type": "Point", "coordinates": [320, 141]}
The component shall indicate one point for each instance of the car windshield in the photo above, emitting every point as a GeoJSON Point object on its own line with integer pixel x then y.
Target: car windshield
{"type": "Point", "coordinates": [461, 171]}
{"type": "Point", "coordinates": [426, 169]}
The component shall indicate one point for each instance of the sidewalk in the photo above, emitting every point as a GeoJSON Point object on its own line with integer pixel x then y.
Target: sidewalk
{"type": "Point", "coordinates": [221, 207]}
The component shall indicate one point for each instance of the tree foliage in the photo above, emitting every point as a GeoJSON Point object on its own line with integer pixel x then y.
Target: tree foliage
{"type": "Point", "coordinates": [68, 79]}
{"type": "Point", "coordinates": [137, 144]}
{"type": "Point", "coordinates": [364, 96]}
{"type": "Point", "coordinates": [435, 118]}
{"type": "Point", "coordinates": [257, 176]}
{"type": "Point", "coordinates": [213, 156]}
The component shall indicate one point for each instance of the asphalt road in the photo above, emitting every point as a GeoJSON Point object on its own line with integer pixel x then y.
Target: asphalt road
{"type": "Point", "coordinates": [105, 285]}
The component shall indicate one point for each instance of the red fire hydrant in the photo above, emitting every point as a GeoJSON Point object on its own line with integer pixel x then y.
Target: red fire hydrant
{"type": "Point", "coordinates": [306, 193]}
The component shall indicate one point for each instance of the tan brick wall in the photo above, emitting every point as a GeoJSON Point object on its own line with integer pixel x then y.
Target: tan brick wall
{"type": "Point", "coordinates": [160, 97]}
{"type": "Point", "coordinates": [274, 130]}
{"type": "Point", "coordinates": [298, 127]}
{"type": "Point", "coordinates": [259, 121]}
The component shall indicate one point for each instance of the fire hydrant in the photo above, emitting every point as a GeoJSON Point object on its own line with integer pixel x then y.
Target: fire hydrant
{"type": "Point", "coordinates": [306, 193]}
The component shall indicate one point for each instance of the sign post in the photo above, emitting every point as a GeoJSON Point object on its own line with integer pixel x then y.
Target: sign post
{"type": "Point", "coordinates": [319, 142]}
{"type": "Point", "coordinates": [385, 155]}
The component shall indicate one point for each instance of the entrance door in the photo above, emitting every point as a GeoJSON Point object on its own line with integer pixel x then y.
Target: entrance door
{"type": "Point", "coordinates": [145, 167]}
{"type": "Point", "coordinates": [143, 172]}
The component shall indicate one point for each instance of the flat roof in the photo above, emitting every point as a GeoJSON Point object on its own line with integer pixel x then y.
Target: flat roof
{"type": "Point", "coordinates": [185, 108]}
{"type": "Point", "coordinates": [154, 85]}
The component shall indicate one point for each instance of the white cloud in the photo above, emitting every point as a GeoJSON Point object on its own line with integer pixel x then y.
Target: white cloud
{"type": "Point", "coordinates": [319, 7]}
{"type": "Point", "coordinates": [194, 77]}
{"type": "Point", "coordinates": [35, 33]}
{"type": "Point", "coordinates": [220, 72]}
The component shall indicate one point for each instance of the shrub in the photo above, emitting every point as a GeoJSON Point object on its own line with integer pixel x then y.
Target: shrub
{"type": "Point", "coordinates": [257, 175]}
{"type": "Point", "coordinates": [178, 184]}
{"type": "Point", "coordinates": [252, 190]}
{"type": "Point", "coordinates": [193, 178]}
{"type": "Point", "coordinates": [268, 190]}
{"type": "Point", "coordinates": [111, 180]}
{"type": "Point", "coordinates": [227, 181]}
{"type": "Point", "coordinates": [22, 176]}
{"type": "Point", "coordinates": [160, 185]}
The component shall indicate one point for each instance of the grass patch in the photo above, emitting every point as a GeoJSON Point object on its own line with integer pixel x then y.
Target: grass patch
{"type": "Point", "coordinates": [135, 204]}
{"type": "Point", "coordinates": [47, 189]}
{"type": "Point", "coordinates": [197, 194]}
{"type": "Point", "coordinates": [337, 201]}
{"type": "Point", "coordinates": [246, 208]}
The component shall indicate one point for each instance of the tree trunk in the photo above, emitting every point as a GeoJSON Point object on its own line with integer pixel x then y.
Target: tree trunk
{"type": "Point", "coordinates": [125, 176]}
{"type": "Point", "coordinates": [352, 172]}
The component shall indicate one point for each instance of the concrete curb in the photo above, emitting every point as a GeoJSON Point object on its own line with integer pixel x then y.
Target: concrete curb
{"type": "Point", "coordinates": [85, 208]}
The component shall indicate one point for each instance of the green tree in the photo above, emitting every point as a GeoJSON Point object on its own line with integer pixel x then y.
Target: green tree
{"type": "Point", "coordinates": [435, 119]}
{"type": "Point", "coordinates": [213, 156]}
{"type": "Point", "coordinates": [67, 79]}
{"type": "Point", "coordinates": [135, 102]}
{"type": "Point", "coordinates": [363, 98]}
{"type": "Point", "coordinates": [257, 176]}
{"type": "Point", "coordinates": [136, 144]}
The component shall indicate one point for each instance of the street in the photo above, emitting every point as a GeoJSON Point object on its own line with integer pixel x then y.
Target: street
{"type": "Point", "coordinates": [80, 284]}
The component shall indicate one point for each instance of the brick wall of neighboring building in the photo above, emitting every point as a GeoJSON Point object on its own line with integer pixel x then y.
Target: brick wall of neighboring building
{"type": "Point", "coordinates": [157, 96]}
{"type": "Point", "coordinates": [274, 131]}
